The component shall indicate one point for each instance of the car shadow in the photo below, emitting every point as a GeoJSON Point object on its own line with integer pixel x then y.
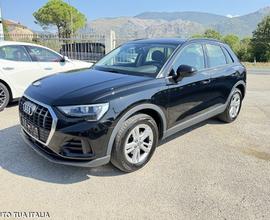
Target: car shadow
{"type": "Point", "coordinates": [19, 159]}
{"type": "Point", "coordinates": [13, 104]}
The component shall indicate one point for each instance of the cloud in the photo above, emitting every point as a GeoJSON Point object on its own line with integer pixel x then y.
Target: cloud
{"type": "Point", "coordinates": [232, 16]}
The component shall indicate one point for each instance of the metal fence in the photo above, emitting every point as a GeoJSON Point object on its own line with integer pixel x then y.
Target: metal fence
{"type": "Point", "coordinates": [88, 47]}
{"type": "Point", "coordinates": [119, 40]}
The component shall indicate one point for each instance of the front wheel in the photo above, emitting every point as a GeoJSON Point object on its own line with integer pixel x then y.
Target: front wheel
{"type": "Point", "coordinates": [233, 109]}
{"type": "Point", "coordinates": [135, 143]}
{"type": "Point", "coordinates": [4, 96]}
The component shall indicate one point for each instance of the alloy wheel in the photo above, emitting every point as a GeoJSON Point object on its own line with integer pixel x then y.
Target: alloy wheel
{"type": "Point", "coordinates": [3, 97]}
{"type": "Point", "coordinates": [235, 105]}
{"type": "Point", "coordinates": [138, 143]}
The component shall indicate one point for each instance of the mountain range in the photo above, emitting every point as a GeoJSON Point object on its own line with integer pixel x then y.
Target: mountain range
{"type": "Point", "coordinates": [177, 24]}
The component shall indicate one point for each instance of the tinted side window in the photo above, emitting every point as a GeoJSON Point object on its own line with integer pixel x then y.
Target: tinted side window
{"type": "Point", "coordinates": [229, 57]}
{"type": "Point", "coordinates": [153, 50]}
{"type": "Point", "coordinates": [191, 55]}
{"type": "Point", "coordinates": [166, 51]}
{"type": "Point", "coordinates": [43, 55]}
{"type": "Point", "coordinates": [216, 56]}
{"type": "Point", "coordinates": [14, 53]}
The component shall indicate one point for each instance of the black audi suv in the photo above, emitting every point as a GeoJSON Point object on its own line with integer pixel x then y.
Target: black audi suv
{"type": "Point", "coordinates": [137, 95]}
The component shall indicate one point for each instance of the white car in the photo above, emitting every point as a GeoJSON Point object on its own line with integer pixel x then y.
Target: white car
{"type": "Point", "coordinates": [23, 63]}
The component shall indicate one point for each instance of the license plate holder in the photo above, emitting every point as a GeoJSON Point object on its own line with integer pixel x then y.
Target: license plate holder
{"type": "Point", "coordinates": [30, 128]}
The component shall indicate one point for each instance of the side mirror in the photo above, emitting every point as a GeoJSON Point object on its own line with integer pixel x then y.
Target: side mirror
{"type": "Point", "coordinates": [64, 59]}
{"type": "Point", "coordinates": [182, 72]}
{"type": "Point", "coordinates": [185, 71]}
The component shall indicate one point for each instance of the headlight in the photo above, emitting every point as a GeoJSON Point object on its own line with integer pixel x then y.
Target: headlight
{"type": "Point", "coordinates": [91, 112]}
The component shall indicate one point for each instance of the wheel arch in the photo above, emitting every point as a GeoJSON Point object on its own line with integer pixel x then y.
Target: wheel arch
{"type": "Point", "coordinates": [150, 109]}
{"type": "Point", "coordinates": [157, 118]}
{"type": "Point", "coordinates": [239, 85]}
{"type": "Point", "coordinates": [242, 88]}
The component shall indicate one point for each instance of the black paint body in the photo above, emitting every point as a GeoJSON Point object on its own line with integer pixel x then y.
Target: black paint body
{"type": "Point", "coordinates": [178, 101]}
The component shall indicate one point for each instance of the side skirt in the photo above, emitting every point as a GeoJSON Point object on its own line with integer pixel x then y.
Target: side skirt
{"type": "Point", "coordinates": [200, 118]}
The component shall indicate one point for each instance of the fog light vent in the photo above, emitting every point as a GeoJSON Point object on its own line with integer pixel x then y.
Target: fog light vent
{"type": "Point", "coordinates": [76, 148]}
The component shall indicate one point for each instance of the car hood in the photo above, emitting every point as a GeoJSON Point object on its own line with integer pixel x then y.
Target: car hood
{"type": "Point", "coordinates": [81, 64]}
{"type": "Point", "coordinates": [79, 87]}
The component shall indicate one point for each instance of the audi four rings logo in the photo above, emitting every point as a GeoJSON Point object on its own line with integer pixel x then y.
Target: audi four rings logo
{"type": "Point", "coordinates": [29, 108]}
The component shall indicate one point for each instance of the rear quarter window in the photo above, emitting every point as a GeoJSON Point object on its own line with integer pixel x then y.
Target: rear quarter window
{"type": "Point", "coordinates": [228, 56]}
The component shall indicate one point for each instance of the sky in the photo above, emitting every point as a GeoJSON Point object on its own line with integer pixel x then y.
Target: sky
{"type": "Point", "coordinates": [22, 10]}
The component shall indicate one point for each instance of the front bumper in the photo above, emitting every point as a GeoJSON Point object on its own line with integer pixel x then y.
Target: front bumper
{"type": "Point", "coordinates": [70, 141]}
{"type": "Point", "coordinates": [50, 156]}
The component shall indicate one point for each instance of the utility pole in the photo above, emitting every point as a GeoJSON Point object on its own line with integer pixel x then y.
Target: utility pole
{"type": "Point", "coordinates": [1, 26]}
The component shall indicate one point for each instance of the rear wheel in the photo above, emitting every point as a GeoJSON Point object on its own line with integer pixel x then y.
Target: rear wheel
{"type": "Point", "coordinates": [4, 96]}
{"type": "Point", "coordinates": [233, 109]}
{"type": "Point", "coordinates": [135, 143]}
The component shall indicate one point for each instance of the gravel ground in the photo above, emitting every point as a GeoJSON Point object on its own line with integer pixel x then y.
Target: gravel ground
{"type": "Point", "coordinates": [210, 171]}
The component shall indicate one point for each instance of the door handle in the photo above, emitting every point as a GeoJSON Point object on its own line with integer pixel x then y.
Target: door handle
{"type": "Point", "coordinates": [206, 81]}
{"type": "Point", "coordinates": [48, 68]}
{"type": "Point", "coordinates": [8, 68]}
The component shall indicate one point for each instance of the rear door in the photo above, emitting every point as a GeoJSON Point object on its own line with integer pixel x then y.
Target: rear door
{"type": "Point", "coordinates": [190, 96]}
{"type": "Point", "coordinates": [222, 70]}
{"type": "Point", "coordinates": [16, 65]}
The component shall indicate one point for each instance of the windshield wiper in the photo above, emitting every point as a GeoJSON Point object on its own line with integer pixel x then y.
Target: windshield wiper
{"type": "Point", "coordinates": [112, 71]}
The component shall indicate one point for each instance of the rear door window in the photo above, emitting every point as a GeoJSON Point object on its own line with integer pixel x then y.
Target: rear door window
{"type": "Point", "coordinates": [215, 55]}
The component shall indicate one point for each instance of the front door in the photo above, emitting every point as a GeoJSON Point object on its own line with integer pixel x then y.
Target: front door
{"type": "Point", "coordinates": [49, 61]}
{"type": "Point", "coordinates": [189, 97]}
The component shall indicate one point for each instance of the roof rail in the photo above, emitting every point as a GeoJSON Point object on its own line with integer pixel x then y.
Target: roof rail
{"type": "Point", "coordinates": [206, 39]}
{"type": "Point", "coordinates": [139, 39]}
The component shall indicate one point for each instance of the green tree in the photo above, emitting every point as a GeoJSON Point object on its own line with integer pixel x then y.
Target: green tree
{"type": "Point", "coordinates": [197, 36]}
{"type": "Point", "coordinates": [261, 41]}
{"type": "Point", "coordinates": [66, 18]}
{"type": "Point", "coordinates": [233, 41]}
{"type": "Point", "coordinates": [244, 52]}
{"type": "Point", "coordinates": [6, 31]}
{"type": "Point", "coordinates": [210, 33]}
{"type": "Point", "coordinates": [242, 47]}
{"type": "Point", "coordinates": [5, 27]}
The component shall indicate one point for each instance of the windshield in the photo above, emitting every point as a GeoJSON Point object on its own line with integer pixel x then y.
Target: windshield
{"type": "Point", "coordinates": [139, 59]}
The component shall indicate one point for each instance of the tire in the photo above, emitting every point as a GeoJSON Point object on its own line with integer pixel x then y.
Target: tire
{"type": "Point", "coordinates": [142, 124]}
{"type": "Point", "coordinates": [227, 116]}
{"type": "Point", "coordinates": [4, 97]}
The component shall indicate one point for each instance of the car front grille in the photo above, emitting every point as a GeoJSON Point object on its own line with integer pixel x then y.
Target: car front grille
{"type": "Point", "coordinates": [37, 123]}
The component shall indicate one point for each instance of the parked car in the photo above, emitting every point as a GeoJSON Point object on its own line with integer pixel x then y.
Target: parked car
{"type": "Point", "coordinates": [119, 111]}
{"type": "Point", "coordinates": [23, 63]}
